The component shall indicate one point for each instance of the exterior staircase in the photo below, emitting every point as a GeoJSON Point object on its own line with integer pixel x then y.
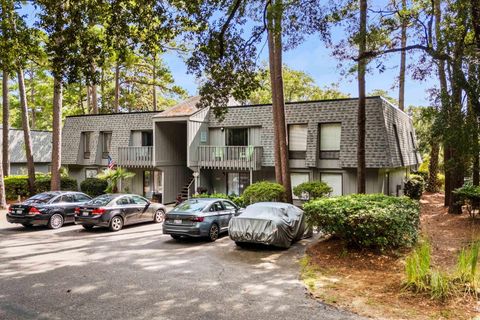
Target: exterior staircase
{"type": "Point", "coordinates": [186, 190]}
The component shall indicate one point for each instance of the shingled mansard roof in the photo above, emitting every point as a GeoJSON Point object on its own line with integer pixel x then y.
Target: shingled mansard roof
{"type": "Point", "coordinates": [41, 146]}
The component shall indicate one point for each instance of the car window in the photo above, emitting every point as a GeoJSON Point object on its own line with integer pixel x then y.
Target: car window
{"type": "Point", "coordinates": [190, 206]}
{"type": "Point", "coordinates": [229, 205]}
{"type": "Point", "coordinates": [139, 200]}
{"type": "Point", "coordinates": [81, 197]}
{"type": "Point", "coordinates": [102, 200]}
{"type": "Point", "coordinates": [216, 207]}
{"type": "Point", "coordinates": [123, 201]}
{"type": "Point", "coordinates": [67, 198]}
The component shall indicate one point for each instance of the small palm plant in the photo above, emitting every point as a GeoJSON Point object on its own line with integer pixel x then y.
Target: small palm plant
{"type": "Point", "coordinates": [114, 177]}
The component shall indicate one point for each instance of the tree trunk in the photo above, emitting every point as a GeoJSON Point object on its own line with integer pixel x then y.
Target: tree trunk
{"type": "Point", "coordinates": [278, 103]}
{"type": "Point", "coordinates": [276, 141]}
{"type": "Point", "coordinates": [154, 78]}
{"type": "Point", "coordinates": [403, 58]}
{"type": "Point", "coordinates": [102, 90]}
{"type": "Point", "coordinates": [361, 117]}
{"type": "Point", "coordinates": [94, 99]}
{"type": "Point", "coordinates": [3, 201]}
{"type": "Point", "coordinates": [117, 88]}
{"type": "Point", "coordinates": [5, 125]}
{"type": "Point", "coordinates": [57, 134]}
{"type": "Point", "coordinates": [89, 97]}
{"type": "Point", "coordinates": [26, 132]}
{"type": "Point", "coordinates": [32, 100]}
{"type": "Point", "coordinates": [432, 184]}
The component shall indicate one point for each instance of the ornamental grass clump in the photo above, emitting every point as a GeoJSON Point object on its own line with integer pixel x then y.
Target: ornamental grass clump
{"type": "Point", "coordinates": [374, 221]}
{"type": "Point", "coordinates": [417, 268]}
{"type": "Point", "coordinates": [467, 269]}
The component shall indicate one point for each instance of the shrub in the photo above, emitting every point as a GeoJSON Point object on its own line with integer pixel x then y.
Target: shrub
{"type": "Point", "coordinates": [370, 221]}
{"type": "Point", "coordinates": [18, 185]}
{"type": "Point", "coordinates": [93, 186]}
{"type": "Point", "coordinates": [312, 190]}
{"type": "Point", "coordinates": [263, 191]}
{"type": "Point", "coordinates": [414, 186]}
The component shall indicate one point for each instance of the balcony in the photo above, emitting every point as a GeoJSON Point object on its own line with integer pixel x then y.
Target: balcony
{"type": "Point", "coordinates": [136, 157]}
{"type": "Point", "coordinates": [230, 157]}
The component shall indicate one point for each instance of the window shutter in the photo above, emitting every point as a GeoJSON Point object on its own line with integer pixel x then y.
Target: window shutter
{"type": "Point", "coordinates": [330, 134]}
{"type": "Point", "coordinates": [297, 137]}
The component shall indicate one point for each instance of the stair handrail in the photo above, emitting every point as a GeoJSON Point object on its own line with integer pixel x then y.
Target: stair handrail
{"type": "Point", "coordinates": [189, 187]}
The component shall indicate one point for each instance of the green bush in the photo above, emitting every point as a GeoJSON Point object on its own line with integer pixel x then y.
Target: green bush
{"type": "Point", "coordinates": [414, 186]}
{"type": "Point", "coordinates": [93, 186]}
{"type": "Point", "coordinates": [18, 185]}
{"type": "Point", "coordinates": [370, 221]}
{"type": "Point", "coordinates": [312, 190]}
{"type": "Point", "coordinates": [263, 191]}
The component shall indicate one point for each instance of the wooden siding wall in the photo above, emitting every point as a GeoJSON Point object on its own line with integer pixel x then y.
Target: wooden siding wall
{"type": "Point", "coordinates": [170, 143]}
{"type": "Point", "coordinates": [195, 129]}
{"type": "Point", "coordinates": [174, 178]}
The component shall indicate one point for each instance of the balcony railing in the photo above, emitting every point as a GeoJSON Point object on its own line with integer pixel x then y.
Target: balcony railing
{"type": "Point", "coordinates": [230, 157]}
{"type": "Point", "coordinates": [135, 156]}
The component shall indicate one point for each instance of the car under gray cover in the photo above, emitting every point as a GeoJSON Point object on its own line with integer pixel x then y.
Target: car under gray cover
{"type": "Point", "coordinates": [271, 223]}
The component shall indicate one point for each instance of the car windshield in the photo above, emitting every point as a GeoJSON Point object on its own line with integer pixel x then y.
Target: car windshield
{"type": "Point", "coordinates": [102, 200]}
{"type": "Point", "coordinates": [41, 198]}
{"type": "Point", "coordinates": [191, 206]}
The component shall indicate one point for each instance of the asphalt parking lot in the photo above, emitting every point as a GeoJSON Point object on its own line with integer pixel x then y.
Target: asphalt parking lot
{"type": "Point", "coordinates": [139, 273]}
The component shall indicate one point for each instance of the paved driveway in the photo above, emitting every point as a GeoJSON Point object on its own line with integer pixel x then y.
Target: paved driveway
{"type": "Point", "coordinates": [139, 273]}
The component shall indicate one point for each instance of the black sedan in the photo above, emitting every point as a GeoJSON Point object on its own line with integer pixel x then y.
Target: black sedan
{"type": "Point", "coordinates": [53, 209]}
{"type": "Point", "coordinates": [116, 210]}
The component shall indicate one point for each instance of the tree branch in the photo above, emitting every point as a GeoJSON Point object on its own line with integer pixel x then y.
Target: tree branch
{"type": "Point", "coordinates": [221, 35]}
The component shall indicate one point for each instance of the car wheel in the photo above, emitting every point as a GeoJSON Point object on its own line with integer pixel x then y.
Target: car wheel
{"type": "Point", "coordinates": [176, 236]}
{"type": "Point", "coordinates": [27, 225]}
{"type": "Point", "coordinates": [213, 232]}
{"type": "Point", "coordinates": [116, 223]}
{"type": "Point", "coordinates": [56, 221]}
{"type": "Point", "coordinates": [87, 226]}
{"type": "Point", "coordinates": [159, 216]}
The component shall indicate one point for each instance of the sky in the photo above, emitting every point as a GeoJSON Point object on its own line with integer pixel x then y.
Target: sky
{"type": "Point", "coordinates": [315, 59]}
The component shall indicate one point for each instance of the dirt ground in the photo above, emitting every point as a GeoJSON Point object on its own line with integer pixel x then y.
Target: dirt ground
{"type": "Point", "coordinates": [371, 284]}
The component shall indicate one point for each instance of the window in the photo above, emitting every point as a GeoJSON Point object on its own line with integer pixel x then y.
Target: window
{"type": "Point", "coordinates": [91, 173]}
{"type": "Point", "coordinates": [330, 135]}
{"type": "Point", "coordinates": [399, 149]}
{"type": "Point", "coordinates": [237, 137]}
{"type": "Point", "coordinates": [334, 180]}
{"type": "Point", "coordinates": [86, 145]}
{"type": "Point", "coordinates": [81, 198]}
{"type": "Point", "coordinates": [298, 178]}
{"type": "Point", "coordinates": [216, 207]}
{"type": "Point", "coordinates": [139, 200]}
{"type": "Point", "coordinates": [123, 201]}
{"type": "Point", "coordinates": [237, 182]}
{"type": "Point", "coordinates": [229, 206]}
{"type": "Point", "coordinates": [147, 183]}
{"type": "Point", "coordinates": [67, 198]}
{"type": "Point", "coordinates": [297, 141]}
{"type": "Point", "coordinates": [147, 138]}
{"type": "Point", "coordinates": [106, 142]}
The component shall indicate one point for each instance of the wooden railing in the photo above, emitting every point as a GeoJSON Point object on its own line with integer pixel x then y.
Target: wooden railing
{"type": "Point", "coordinates": [230, 157]}
{"type": "Point", "coordinates": [135, 156]}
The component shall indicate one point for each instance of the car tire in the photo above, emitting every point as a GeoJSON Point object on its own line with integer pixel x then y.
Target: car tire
{"type": "Point", "coordinates": [56, 221]}
{"type": "Point", "coordinates": [213, 232]}
{"type": "Point", "coordinates": [116, 224]}
{"type": "Point", "coordinates": [27, 225]}
{"type": "Point", "coordinates": [176, 236]}
{"type": "Point", "coordinates": [87, 226]}
{"type": "Point", "coordinates": [159, 216]}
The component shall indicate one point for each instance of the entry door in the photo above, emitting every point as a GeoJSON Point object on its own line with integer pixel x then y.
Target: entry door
{"type": "Point", "coordinates": [334, 180]}
{"type": "Point", "coordinates": [237, 182]}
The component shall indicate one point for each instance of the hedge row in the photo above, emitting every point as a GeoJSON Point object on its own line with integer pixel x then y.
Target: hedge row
{"type": "Point", "coordinates": [18, 185]}
{"type": "Point", "coordinates": [367, 221]}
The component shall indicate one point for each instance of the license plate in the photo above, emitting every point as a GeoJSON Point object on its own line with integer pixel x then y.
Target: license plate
{"type": "Point", "coordinates": [19, 211]}
{"type": "Point", "coordinates": [177, 221]}
{"type": "Point", "coordinates": [85, 213]}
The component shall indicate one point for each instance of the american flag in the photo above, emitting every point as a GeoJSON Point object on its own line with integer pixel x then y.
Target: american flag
{"type": "Point", "coordinates": [111, 163]}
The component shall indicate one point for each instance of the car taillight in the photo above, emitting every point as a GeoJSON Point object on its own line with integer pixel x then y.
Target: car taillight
{"type": "Point", "coordinates": [198, 219]}
{"type": "Point", "coordinates": [33, 210]}
{"type": "Point", "coordinates": [98, 211]}
{"type": "Point", "coordinates": [77, 210]}
{"type": "Point", "coordinates": [10, 208]}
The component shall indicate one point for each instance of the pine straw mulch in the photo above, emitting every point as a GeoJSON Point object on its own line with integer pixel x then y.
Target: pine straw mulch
{"type": "Point", "coordinates": [370, 284]}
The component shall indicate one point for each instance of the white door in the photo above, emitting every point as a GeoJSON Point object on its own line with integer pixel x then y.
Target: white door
{"type": "Point", "coordinates": [334, 180]}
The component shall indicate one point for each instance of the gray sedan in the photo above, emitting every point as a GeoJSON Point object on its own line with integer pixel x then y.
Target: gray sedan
{"type": "Point", "coordinates": [201, 217]}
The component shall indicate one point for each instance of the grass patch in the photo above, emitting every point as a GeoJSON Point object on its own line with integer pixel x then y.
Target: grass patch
{"type": "Point", "coordinates": [308, 273]}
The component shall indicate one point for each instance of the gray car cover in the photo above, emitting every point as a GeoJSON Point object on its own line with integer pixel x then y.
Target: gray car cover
{"type": "Point", "coordinates": [271, 223]}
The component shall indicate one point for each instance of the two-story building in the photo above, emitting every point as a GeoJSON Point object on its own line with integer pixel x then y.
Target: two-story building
{"type": "Point", "coordinates": [183, 148]}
